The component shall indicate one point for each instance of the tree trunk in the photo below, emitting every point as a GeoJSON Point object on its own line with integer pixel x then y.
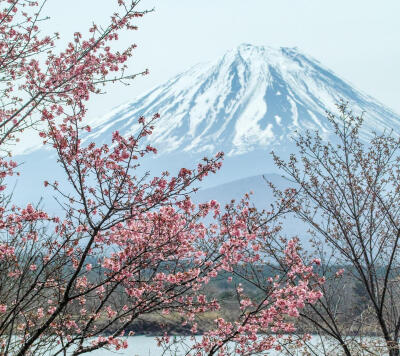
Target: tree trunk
{"type": "Point", "coordinates": [394, 348]}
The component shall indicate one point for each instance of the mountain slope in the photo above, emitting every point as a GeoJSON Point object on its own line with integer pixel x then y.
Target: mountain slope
{"type": "Point", "coordinates": [261, 196]}
{"type": "Point", "coordinates": [246, 103]}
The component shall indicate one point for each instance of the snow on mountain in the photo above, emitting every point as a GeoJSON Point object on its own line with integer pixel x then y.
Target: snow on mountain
{"type": "Point", "coordinates": [251, 98]}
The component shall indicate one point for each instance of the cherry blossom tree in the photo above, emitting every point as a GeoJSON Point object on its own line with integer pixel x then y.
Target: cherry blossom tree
{"type": "Point", "coordinates": [128, 245]}
{"type": "Point", "coordinates": [348, 193]}
{"type": "Point", "coordinates": [268, 296]}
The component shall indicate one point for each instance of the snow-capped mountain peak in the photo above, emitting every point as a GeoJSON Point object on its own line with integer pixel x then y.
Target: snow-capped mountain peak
{"type": "Point", "coordinates": [252, 97]}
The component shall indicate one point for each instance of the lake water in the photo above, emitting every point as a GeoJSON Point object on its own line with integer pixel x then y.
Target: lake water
{"type": "Point", "coordinates": [147, 346]}
{"type": "Point", "coordinates": [138, 346]}
{"type": "Point", "coordinates": [142, 346]}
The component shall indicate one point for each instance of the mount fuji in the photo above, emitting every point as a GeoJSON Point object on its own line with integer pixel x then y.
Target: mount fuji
{"type": "Point", "coordinates": [252, 97]}
{"type": "Point", "coordinates": [248, 102]}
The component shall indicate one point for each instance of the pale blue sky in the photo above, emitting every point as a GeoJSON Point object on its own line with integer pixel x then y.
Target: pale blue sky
{"type": "Point", "coordinates": [358, 39]}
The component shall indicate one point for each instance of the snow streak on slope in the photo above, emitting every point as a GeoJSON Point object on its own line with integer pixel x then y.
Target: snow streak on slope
{"type": "Point", "coordinates": [251, 98]}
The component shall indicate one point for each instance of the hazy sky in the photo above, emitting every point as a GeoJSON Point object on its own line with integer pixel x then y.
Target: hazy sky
{"type": "Point", "coordinates": [357, 39]}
